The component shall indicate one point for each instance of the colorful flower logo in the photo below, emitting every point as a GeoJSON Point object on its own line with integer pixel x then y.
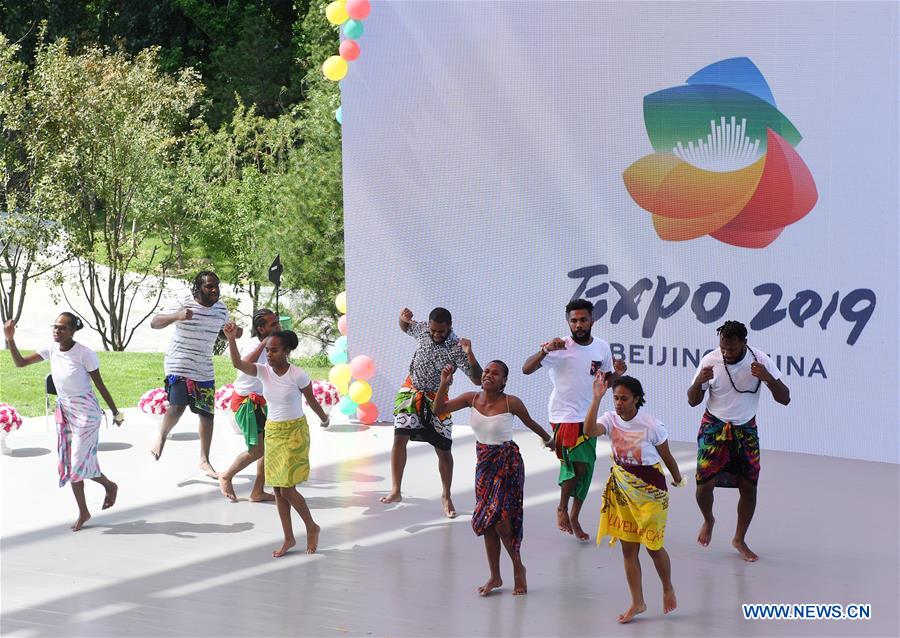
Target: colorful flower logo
{"type": "Point", "coordinates": [725, 163]}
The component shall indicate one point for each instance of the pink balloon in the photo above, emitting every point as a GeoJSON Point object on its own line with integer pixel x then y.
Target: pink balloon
{"type": "Point", "coordinates": [358, 9]}
{"type": "Point", "coordinates": [362, 367]}
{"type": "Point", "coordinates": [342, 324]}
{"type": "Point", "coordinates": [367, 413]}
{"type": "Point", "coordinates": [349, 50]}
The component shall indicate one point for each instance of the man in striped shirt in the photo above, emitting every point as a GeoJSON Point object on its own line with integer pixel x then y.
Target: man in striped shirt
{"type": "Point", "coordinates": [190, 378]}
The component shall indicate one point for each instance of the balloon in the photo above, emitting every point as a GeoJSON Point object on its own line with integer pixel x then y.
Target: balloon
{"type": "Point", "coordinates": [342, 325]}
{"type": "Point", "coordinates": [337, 357]}
{"type": "Point", "coordinates": [339, 115]}
{"type": "Point", "coordinates": [349, 50]}
{"type": "Point", "coordinates": [360, 391]}
{"type": "Point", "coordinates": [335, 68]}
{"type": "Point", "coordinates": [347, 406]}
{"type": "Point", "coordinates": [340, 343]}
{"type": "Point", "coordinates": [341, 302]}
{"type": "Point", "coordinates": [353, 29]}
{"type": "Point", "coordinates": [336, 12]}
{"type": "Point", "coordinates": [339, 375]}
{"type": "Point", "coordinates": [343, 387]}
{"type": "Point", "coordinates": [367, 413]}
{"type": "Point", "coordinates": [362, 368]}
{"type": "Point", "coordinates": [358, 9]}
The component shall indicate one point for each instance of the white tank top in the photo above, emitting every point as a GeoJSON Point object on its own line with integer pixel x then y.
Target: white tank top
{"type": "Point", "coordinates": [492, 430]}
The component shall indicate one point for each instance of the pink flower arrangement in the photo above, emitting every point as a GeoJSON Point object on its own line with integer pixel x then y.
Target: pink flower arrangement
{"type": "Point", "coordinates": [9, 418]}
{"type": "Point", "coordinates": [326, 394]}
{"type": "Point", "coordinates": [223, 397]}
{"type": "Point", "coordinates": [154, 401]}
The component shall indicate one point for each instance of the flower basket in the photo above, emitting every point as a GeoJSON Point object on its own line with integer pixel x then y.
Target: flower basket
{"type": "Point", "coordinates": [10, 420]}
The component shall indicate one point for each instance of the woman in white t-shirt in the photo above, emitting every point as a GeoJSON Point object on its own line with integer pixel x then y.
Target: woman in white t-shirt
{"type": "Point", "coordinates": [500, 471]}
{"type": "Point", "coordinates": [636, 500]}
{"type": "Point", "coordinates": [78, 414]}
{"type": "Point", "coordinates": [287, 433]}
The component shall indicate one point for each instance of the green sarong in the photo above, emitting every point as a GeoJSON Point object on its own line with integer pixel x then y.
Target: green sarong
{"type": "Point", "coordinates": [250, 417]}
{"type": "Point", "coordinates": [584, 451]}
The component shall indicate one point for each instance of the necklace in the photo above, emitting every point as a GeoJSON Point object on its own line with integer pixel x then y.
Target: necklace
{"type": "Point", "coordinates": [758, 381]}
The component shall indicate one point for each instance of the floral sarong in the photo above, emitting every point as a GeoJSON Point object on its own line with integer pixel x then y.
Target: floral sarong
{"type": "Point", "coordinates": [414, 417]}
{"type": "Point", "coordinates": [583, 449]}
{"type": "Point", "coordinates": [634, 509]}
{"type": "Point", "coordinates": [287, 452]}
{"type": "Point", "coordinates": [499, 488]}
{"type": "Point", "coordinates": [726, 451]}
{"type": "Point", "coordinates": [78, 434]}
{"type": "Point", "coordinates": [250, 415]}
{"type": "Point", "coordinates": [199, 396]}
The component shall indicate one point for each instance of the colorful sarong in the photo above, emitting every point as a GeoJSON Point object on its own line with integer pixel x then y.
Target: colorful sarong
{"type": "Point", "coordinates": [78, 434]}
{"type": "Point", "coordinates": [200, 396]}
{"type": "Point", "coordinates": [414, 417]}
{"type": "Point", "coordinates": [287, 452]}
{"type": "Point", "coordinates": [726, 451]}
{"type": "Point", "coordinates": [634, 510]}
{"type": "Point", "coordinates": [250, 415]}
{"type": "Point", "coordinates": [499, 488]}
{"type": "Point", "coordinates": [583, 451]}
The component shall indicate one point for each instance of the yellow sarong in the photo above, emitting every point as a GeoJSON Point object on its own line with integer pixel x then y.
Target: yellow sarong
{"type": "Point", "coordinates": [633, 510]}
{"type": "Point", "coordinates": [287, 452]}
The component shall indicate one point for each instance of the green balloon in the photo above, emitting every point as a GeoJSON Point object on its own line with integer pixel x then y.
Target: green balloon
{"type": "Point", "coordinates": [338, 115]}
{"type": "Point", "coordinates": [353, 29]}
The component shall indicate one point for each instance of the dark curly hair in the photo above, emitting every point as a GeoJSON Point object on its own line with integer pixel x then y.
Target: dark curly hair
{"type": "Point", "coordinates": [75, 320]}
{"type": "Point", "coordinates": [259, 318]}
{"type": "Point", "coordinates": [732, 330]}
{"type": "Point", "coordinates": [288, 339]}
{"type": "Point", "coordinates": [633, 385]}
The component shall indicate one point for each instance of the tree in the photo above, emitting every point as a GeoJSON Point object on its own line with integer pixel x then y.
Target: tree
{"type": "Point", "coordinates": [108, 128]}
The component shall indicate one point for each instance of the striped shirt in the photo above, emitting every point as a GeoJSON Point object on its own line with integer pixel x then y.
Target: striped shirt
{"type": "Point", "coordinates": [191, 348]}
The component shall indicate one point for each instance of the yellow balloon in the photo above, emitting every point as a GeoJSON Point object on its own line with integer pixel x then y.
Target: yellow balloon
{"type": "Point", "coordinates": [336, 12]}
{"type": "Point", "coordinates": [343, 387]}
{"type": "Point", "coordinates": [335, 68]}
{"type": "Point", "coordinates": [341, 303]}
{"type": "Point", "coordinates": [360, 392]}
{"type": "Point", "coordinates": [339, 375]}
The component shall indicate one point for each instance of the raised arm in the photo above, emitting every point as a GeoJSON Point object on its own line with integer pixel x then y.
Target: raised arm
{"type": "Point", "coordinates": [779, 391]}
{"type": "Point", "coordinates": [406, 317]}
{"type": "Point", "coordinates": [475, 370]}
{"type": "Point", "coordinates": [230, 331]}
{"type": "Point", "coordinates": [9, 331]}
{"type": "Point", "coordinates": [666, 455]}
{"type": "Point", "coordinates": [518, 408]}
{"type": "Point", "coordinates": [442, 403]}
{"type": "Point", "coordinates": [695, 392]}
{"type": "Point", "coordinates": [533, 362]}
{"type": "Point", "coordinates": [600, 386]}
{"type": "Point", "coordinates": [162, 320]}
{"type": "Point", "coordinates": [314, 405]}
{"type": "Point", "coordinates": [118, 417]}
{"type": "Point", "coordinates": [253, 357]}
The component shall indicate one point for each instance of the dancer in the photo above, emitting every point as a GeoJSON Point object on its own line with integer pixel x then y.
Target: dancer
{"type": "Point", "coordinates": [728, 442]}
{"type": "Point", "coordinates": [636, 499]}
{"type": "Point", "coordinates": [414, 414]}
{"type": "Point", "coordinates": [500, 472]}
{"type": "Point", "coordinates": [250, 411]}
{"type": "Point", "coordinates": [572, 363]}
{"type": "Point", "coordinates": [190, 377]}
{"type": "Point", "coordinates": [78, 414]}
{"type": "Point", "coordinates": [287, 433]}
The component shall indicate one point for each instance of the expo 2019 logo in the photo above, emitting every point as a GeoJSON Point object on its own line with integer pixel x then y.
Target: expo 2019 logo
{"type": "Point", "coordinates": [724, 162]}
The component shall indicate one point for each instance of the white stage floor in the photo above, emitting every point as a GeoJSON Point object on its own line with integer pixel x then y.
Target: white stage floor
{"type": "Point", "coordinates": [174, 558]}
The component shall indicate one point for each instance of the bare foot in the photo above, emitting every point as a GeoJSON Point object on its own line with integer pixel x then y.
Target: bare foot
{"type": "Point", "coordinates": [491, 584]}
{"type": "Point", "coordinates": [227, 489]}
{"type": "Point", "coordinates": [312, 539]}
{"type": "Point", "coordinates": [263, 497]}
{"type": "Point", "coordinates": [393, 497]}
{"type": "Point", "coordinates": [278, 553]}
{"type": "Point", "coordinates": [744, 551]}
{"type": "Point", "coordinates": [633, 611]}
{"type": "Point", "coordinates": [82, 519]}
{"type": "Point", "coordinates": [207, 469]}
{"type": "Point", "coordinates": [580, 534]}
{"type": "Point", "coordinates": [705, 534]}
{"type": "Point", "coordinates": [449, 510]}
{"type": "Point", "coordinates": [669, 603]}
{"type": "Point", "coordinates": [562, 520]}
{"type": "Point", "coordinates": [520, 587]}
{"type": "Point", "coordinates": [157, 448]}
{"type": "Point", "coordinates": [111, 493]}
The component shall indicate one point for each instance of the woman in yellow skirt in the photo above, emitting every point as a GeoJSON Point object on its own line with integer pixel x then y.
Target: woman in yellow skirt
{"type": "Point", "coordinates": [636, 499]}
{"type": "Point", "coordinates": [287, 433]}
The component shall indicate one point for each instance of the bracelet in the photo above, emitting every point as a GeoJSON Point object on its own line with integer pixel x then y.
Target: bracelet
{"type": "Point", "coordinates": [544, 348]}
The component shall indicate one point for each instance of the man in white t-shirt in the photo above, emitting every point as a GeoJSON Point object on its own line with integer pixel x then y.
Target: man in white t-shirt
{"type": "Point", "coordinates": [190, 377]}
{"type": "Point", "coordinates": [571, 364]}
{"type": "Point", "coordinates": [728, 443]}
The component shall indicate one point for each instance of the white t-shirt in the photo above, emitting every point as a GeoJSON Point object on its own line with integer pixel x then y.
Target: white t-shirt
{"type": "Point", "coordinates": [244, 384]}
{"type": "Point", "coordinates": [282, 393]}
{"type": "Point", "coordinates": [634, 442]}
{"type": "Point", "coordinates": [572, 372]}
{"type": "Point", "coordinates": [70, 368]}
{"type": "Point", "coordinates": [190, 351]}
{"type": "Point", "coordinates": [723, 402]}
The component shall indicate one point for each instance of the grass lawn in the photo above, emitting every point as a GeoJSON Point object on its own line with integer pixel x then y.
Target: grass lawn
{"type": "Point", "coordinates": [127, 375]}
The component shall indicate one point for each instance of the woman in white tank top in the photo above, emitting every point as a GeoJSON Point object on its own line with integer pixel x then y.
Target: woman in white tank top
{"type": "Point", "coordinates": [500, 472]}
